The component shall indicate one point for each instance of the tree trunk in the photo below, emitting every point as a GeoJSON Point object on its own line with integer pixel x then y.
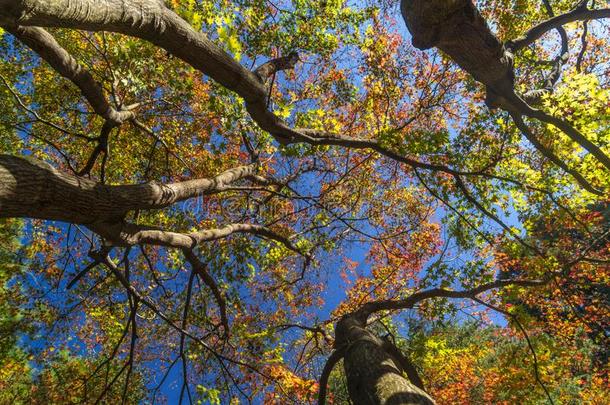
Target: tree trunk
{"type": "Point", "coordinates": [374, 375]}
{"type": "Point", "coordinates": [457, 28]}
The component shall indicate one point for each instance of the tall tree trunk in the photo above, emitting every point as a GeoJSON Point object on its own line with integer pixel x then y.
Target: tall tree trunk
{"type": "Point", "coordinates": [375, 375]}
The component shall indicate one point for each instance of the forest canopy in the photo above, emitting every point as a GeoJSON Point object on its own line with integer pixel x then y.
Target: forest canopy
{"type": "Point", "coordinates": [304, 201]}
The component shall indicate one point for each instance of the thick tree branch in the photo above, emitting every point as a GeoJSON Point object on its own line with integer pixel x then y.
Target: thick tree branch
{"type": "Point", "coordinates": [153, 22]}
{"type": "Point", "coordinates": [406, 364]}
{"type": "Point", "coordinates": [273, 66]}
{"type": "Point", "coordinates": [371, 370]}
{"type": "Point", "coordinates": [34, 189]}
{"type": "Point", "coordinates": [146, 19]}
{"type": "Point", "coordinates": [332, 360]}
{"type": "Point", "coordinates": [458, 29]}
{"type": "Point", "coordinates": [126, 234]}
{"type": "Point", "coordinates": [583, 45]}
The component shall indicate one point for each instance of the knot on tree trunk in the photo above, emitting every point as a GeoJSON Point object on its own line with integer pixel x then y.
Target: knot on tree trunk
{"type": "Point", "coordinates": [273, 66]}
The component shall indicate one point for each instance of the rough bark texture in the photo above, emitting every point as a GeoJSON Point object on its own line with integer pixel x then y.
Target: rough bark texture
{"type": "Point", "coordinates": [454, 26]}
{"type": "Point", "coordinates": [146, 19]}
{"type": "Point", "coordinates": [34, 189]}
{"type": "Point", "coordinates": [374, 376]}
{"type": "Point", "coordinates": [457, 28]}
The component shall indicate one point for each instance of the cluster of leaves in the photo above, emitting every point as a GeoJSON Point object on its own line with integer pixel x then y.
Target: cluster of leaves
{"type": "Point", "coordinates": [40, 373]}
{"type": "Point", "coordinates": [477, 364]}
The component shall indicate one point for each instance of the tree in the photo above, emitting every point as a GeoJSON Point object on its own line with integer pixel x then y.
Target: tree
{"type": "Point", "coordinates": [196, 174]}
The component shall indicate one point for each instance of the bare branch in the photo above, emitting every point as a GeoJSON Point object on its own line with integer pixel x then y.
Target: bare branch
{"type": "Point", "coordinates": [200, 269]}
{"type": "Point", "coordinates": [101, 148]}
{"type": "Point", "coordinates": [333, 359]}
{"type": "Point", "coordinates": [578, 14]}
{"type": "Point", "coordinates": [126, 234]}
{"type": "Point", "coordinates": [32, 188]}
{"type": "Point", "coordinates": [409, 302]}
{"type": "Point", "coordinates": [38, 117]}
{"type": "Point", "coordinates": [187, 304]}
{"type": "Point", "coordinates": [583, 45]}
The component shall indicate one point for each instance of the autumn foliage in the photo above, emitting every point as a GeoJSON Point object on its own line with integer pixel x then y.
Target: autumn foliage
{"type": "Point", "coordinates": [345, 182]}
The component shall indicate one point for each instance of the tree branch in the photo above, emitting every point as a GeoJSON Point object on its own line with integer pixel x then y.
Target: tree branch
{"type": "Point", "coordinates": [333, 359]}
{"type": "Point", "coordinates": [578, 14]}
{"type": "Point", "coordinates": [34, 189]}
{"type": "Point", "coordinates": [43, 43]}
{"type": "Point", "coordinates": [405, 363]}
{"type": "Point", "coordinates": [546, 152]}
{"type": "Point", "coordinates": [273, 66]}
{"type": "Point", "coordinates": [409, 302]}
{"type": "Point", "coordinates": [200, 269]}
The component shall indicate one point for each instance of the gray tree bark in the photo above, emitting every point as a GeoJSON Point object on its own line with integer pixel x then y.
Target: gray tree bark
{"type": "Point", "coordinates": [374, 376]}
{"type": "Point", "coordinates": [30, 188]}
